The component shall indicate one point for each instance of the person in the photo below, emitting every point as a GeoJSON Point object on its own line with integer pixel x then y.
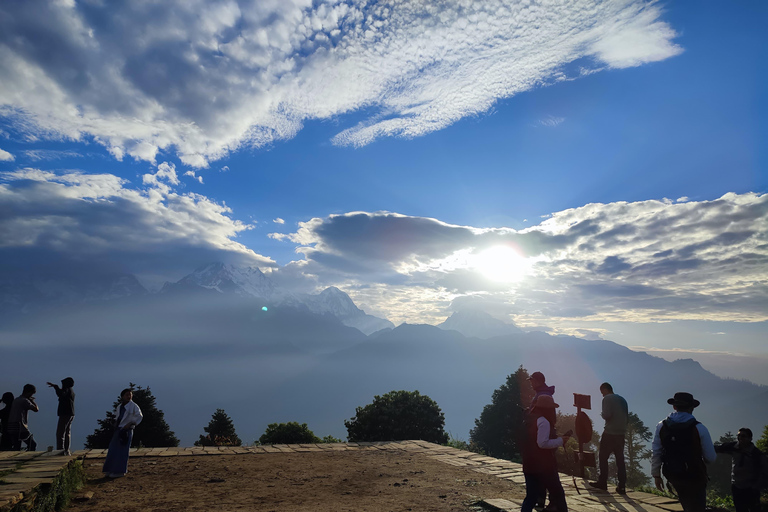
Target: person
{"type": "Point", "coordinates": [615, 412]}
{"type": "Point", "coordinates": [750, 468]}
{"type": "Point", "coordinates": [66, 413]}
{"type": "Point", "coordinates": [129, 415]}
{"type": "Point", "coordinates": [539, 385]}
{"type": "Point", "coordinates": [18, 426]}
{"type": "Point", "coordinates": [539, 463]}
{"type": "Point", "coordinates": [5, 439]}
{"type": "Point", "coordinates": [682, 448]}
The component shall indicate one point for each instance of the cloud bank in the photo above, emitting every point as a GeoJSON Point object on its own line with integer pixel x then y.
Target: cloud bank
{"type": "Point", "coordinates": [205, 78]}
{"type": "Point", "coordinates": [95, 220]}
{"type": "Point", "coordinates": [646, 261]}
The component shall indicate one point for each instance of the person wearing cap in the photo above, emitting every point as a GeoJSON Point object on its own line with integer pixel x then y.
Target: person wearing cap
{"type": "Point", "coordinates": [539, 463]}
{"type": "Point", "coordinates": [682, 447]}
{"type": "Point", "coordinates": [66, 413]}
{"type": "Point", "coordinates": [615, 412]}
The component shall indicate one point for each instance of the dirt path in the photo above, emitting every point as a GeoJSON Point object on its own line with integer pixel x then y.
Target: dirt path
{"type": "Point", "coordinates": [373, 481]}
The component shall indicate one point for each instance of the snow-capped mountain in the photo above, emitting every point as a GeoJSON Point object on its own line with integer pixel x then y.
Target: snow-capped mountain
{"type": "Point", "coordinates": [246, 281]}
{"type": "Point", "coordinates": [478, 324]}
{"type": "Point", "coordinates": [251, 282]}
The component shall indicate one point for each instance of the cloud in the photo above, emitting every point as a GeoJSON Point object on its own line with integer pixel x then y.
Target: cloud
{"type": "Point", "coordinates": [153, 232]}
{"type": "Point", "coordinates": [551, 121]}
{"type": "Point", "coordinates": [194, 176]}
{"type": "Point", "coordinates": [37, 155]}
{"type": "Point", "coordinates": [278, 221]}
{"type": "Point", "coordinates": [204, 79]}
{"type": "Point", "coordinates": [6, 156]}
{"type": "Point", "coordinates": [646, 261]}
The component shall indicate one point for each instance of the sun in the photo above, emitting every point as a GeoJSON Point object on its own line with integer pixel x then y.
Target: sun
{"type": "Point", "coordinates": [502, 263]}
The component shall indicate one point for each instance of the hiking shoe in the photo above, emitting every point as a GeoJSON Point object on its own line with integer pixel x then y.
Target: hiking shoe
{"type": "Point", "coordinates": [599, 485]}
{"type": "Point", "coordinates": [621, 490]}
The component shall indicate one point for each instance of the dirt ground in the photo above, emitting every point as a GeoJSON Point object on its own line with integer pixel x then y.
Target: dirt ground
{"type": "Point", "coordinates": [373, 481]}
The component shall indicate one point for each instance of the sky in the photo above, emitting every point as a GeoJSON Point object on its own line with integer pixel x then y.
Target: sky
{"type": "Point", "coordinates": [596, 169]}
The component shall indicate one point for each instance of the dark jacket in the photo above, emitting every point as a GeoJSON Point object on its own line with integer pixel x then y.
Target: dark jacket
{"type": "Point", "coordinates": [750, 466]}
{"type": "Point", "coordinates": [66, 402]}
{"type": "Point", "coordinates": [535, 458]}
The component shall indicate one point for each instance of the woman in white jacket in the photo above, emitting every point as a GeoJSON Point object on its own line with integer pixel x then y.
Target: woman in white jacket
{"type": "Point", "coordinates": [116, 464]}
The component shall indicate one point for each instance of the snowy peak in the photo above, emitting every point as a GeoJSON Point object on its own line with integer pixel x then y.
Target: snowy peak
{"type": "Point", "coordinates": [334, 301]}
{"type": "Point", "coordinates": [247, 281]}
{"type": "Point", "coordinates": [478, 324]}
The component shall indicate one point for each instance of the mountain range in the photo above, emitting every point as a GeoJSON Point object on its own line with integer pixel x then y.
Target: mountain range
{"type": "Point", "coordinates": [205, 342]}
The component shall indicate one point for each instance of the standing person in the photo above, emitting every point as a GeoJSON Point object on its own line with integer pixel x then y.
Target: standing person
{"type": "Point", "coordinates": [539, 463]}
{"type": "Point", "coordinates": [539, 385]}
{"type": "Point", "coordinates": [66, 413]}
{"type": "Point", "coordinates": [5, 439]}
{"type": "Point", "coordinates": [116, 463]}
{"type": "Point", "coordinates": [616, 414]}
{"type": "Point", "coordinates": [750, 468]}
{"type": "Point", "coordinates": [682, 448]}
{"type": "Point", "coordinates": [18, 427]}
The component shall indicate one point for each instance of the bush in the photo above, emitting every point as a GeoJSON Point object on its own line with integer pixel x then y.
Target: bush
{"type": "Point", "coordinates": [288, 433]}
{"type": "Point", "coordinates": [398, 416]}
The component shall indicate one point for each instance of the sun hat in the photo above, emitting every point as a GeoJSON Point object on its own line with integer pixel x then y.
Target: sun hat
{"type": "Point", "coordinates": [683, 399]}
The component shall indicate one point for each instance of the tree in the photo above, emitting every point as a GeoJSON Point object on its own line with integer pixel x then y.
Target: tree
{"type": "Point", "coordinates": [152, 432]}
{"type": "Point", "coordinates": [220, 431]}
{"type": "Point", "coordinates": [500, 428]}
{"type": "Point", "coordinates": [288, 433]}
{"type": "Point", "coordinates": [397, 416]}
{"type": "Point", "coordinates": [636, 450]}
{"type": "Point", "coordinates": [762, 443]}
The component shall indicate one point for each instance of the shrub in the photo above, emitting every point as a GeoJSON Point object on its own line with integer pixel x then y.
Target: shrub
{"type": "Point", "coordinates": [398, 416]}
{"type": "Point", "coordinates": [219, 432]}
{"type": "Point", "coordinates": [288, 433]}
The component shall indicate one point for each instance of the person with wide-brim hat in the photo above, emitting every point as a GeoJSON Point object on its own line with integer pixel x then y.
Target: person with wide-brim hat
{"type": "Point", "coordinates": [539, 463]}
{"type": "Point", "coordinates": [679, 457]}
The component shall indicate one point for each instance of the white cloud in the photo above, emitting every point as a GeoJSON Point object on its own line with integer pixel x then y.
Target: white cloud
{"type": "Point", "coordinates": [551, 121]}
{"type": "Point", "coordinates": [278, 221]}
{"type": "Point", "coordinates": [6, 156]}
{"type": "Point", "coordinates": [194, 176]}
{"type": "Point", "coordinates": [98, 218]}
{"type": "Point", "coordinates": [646, 261]}
{"type": "Point", "coordinates": [204, 79]}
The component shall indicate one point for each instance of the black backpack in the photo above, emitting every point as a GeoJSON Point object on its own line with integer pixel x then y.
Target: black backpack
{"type": "Point", "coordinates": [681, 456]}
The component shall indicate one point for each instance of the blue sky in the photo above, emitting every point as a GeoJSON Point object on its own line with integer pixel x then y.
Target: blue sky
{"type": "Point", "coordinates": [595, 144]}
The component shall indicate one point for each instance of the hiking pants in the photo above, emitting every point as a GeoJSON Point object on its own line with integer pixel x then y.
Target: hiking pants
{"type": "Point", "coordinates": [612, 444]}
{"type": "Point", "coordinates": [746, 500]}
{"type": "Point", "coordinates": [692, 493]}
{"type": "Point", "coordinates": [64, 432]}
{"type": "Point", "coordinates": [551, 482]}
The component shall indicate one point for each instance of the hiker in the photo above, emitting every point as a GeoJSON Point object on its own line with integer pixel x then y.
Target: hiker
{"type": "Point", "coordinates": [18, 427]}
{"type": "Point", "coordinates": [539, 385]}
{"type": "Point", "coordinates": [616, 414]}
{"type": "Point", "coordinates": [539, 463]}
{"type": "Point", "coordinates": [66, 413]}
{"type": "Point", "coordinates": [750, 469]}
{"type": "Point", "coordinates": [116, 463]}
{"type": "Point", "coordinates": [682, 447]}
{"type": "Point", "coordinates": [5, 439]}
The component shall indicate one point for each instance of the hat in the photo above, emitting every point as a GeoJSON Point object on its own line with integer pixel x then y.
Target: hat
{"type": "Point", "coordinates": [537, 375]}
{"type": "Point", "coordinates": [545, 402]}
{"type": "Point", "coordinates": [68, 382]}
{"type": "Point", "coordinates": [683, 399]}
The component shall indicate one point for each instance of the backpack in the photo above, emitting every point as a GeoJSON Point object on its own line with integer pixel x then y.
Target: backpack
{"type": "Point", "coordinates": [681, 456]}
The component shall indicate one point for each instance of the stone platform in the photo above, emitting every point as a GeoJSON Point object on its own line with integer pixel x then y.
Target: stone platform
{"type": "Point", "coordinates": [25, 471]}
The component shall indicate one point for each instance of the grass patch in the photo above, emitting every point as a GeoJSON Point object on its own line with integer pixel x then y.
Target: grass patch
{"type": "Point", "coordinates": [56, 496]}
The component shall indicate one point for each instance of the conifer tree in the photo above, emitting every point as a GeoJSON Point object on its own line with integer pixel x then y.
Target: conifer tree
{"type": "Point", "coordinates": [153, 431]}
{"type": "Point", "coordinates": [219, 432]}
